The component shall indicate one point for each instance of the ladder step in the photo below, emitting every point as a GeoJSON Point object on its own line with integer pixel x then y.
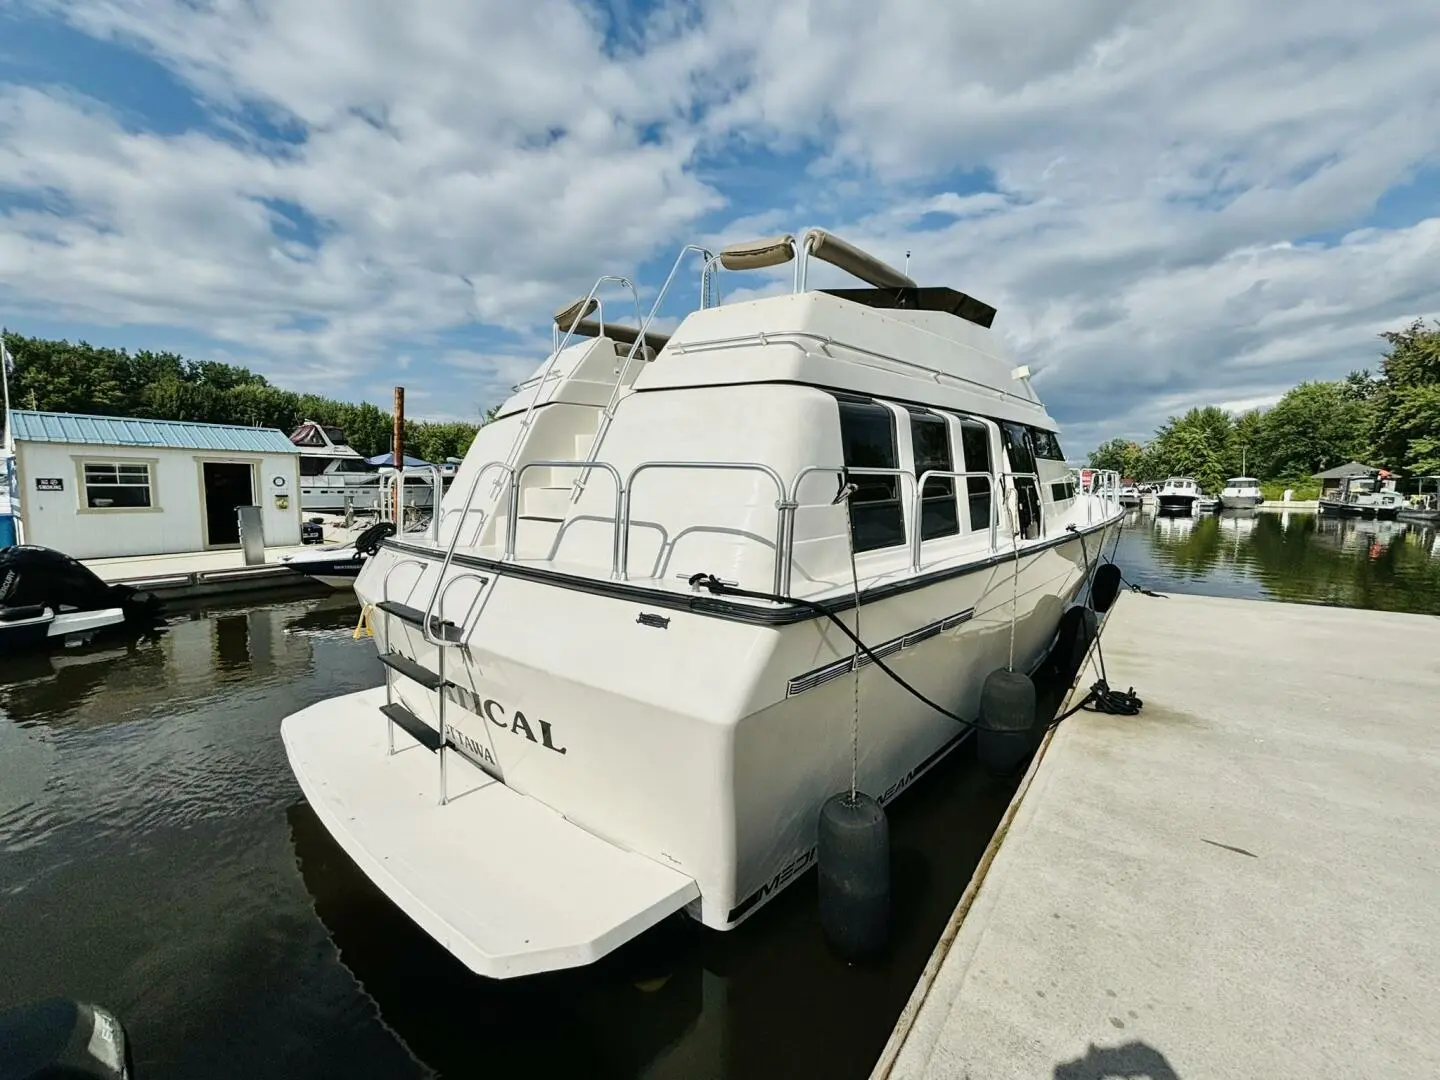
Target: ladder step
{"type": "Point", "coordinates": [420, 731]}
{"type": "Point", "coordinates": [443, 629]}
{"type": "Point", "coordinates": [412, 671]}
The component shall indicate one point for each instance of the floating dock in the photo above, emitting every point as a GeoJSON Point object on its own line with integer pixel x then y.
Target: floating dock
{"type": "Point", "coordinates": [195, 575]}
{"type": "Point", "coordinates": [1239, 882]}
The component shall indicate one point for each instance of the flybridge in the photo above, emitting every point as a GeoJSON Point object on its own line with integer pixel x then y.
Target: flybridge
{"type": "Point", "coordinates": [889, 288]}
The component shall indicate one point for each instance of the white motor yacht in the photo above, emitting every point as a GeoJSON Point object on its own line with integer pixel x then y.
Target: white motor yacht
{"type": "Point", "coordinates": [618, 678]}
{"type": "Point", "coordinates": [335, 478]}
{"type": "Point", "coordinates": [1241, 493]}
{"type": "Point", "coordinates": [1179, 495]}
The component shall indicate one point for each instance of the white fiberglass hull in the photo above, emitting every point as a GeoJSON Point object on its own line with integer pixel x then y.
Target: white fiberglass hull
{"type": "Point", "coordinates": [704, 742]}
{"type": "Point", "coordinates": [1240, 502]}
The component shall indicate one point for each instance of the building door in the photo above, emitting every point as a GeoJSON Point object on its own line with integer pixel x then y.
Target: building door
{"type": "Point", "coordinates": [228, 485]}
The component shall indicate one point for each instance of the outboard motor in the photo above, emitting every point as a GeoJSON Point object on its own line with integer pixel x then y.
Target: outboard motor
{"type": "Point", "coordinates": [61, 1039]}
{"type": "Point", "coordinates": [33, 575]}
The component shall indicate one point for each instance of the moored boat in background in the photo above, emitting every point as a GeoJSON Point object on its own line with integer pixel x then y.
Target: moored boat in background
{"type": "Point", "coordinates": [1178, 495]}
{"type": "Point", "coordinates": [1241, 493]}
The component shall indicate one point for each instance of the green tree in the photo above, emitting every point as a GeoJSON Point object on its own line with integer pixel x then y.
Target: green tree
{"type": "Point", "coordinates": [1314, 427]}
{"type": "Point", "coordinates": [1200, 444]}
{"type": "Point", "coordinates": [1122, 455]}
{"type": "Point", "coordinates": [1249, 435]}
{"type": "Point", "coordinates": [1405, 428]}
{"type": "Point", "coordinates": [58, 376]}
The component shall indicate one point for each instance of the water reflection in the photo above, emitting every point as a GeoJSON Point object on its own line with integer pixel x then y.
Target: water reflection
{"type": "Point", "coordinates": [1287, 555]}
{"type": "Point", "coordinates": [156, 855]}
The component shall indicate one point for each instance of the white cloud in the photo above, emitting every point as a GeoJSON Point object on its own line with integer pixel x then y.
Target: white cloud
{"type": "Point", "coordinates": [1155, 168]}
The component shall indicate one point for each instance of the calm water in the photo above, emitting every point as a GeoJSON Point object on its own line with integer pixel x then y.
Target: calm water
{"type": "Point", "coordinates": [1291, 556]}
{"type": "Point", "coordinates": [156, 857]}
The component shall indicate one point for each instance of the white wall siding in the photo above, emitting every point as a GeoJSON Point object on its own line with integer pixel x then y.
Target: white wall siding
{"type": "Point", "coordinates": [176, 520]}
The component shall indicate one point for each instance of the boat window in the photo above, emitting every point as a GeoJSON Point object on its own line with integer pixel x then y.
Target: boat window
{"type": "Point", "coordinates": [930, 438]}
{"type": "Point", "coordinates": [975, 448]}
{"type": "Point", "coordinates": [117, 485]}
{"type": "Point", "coordinates": [313, 466]}
{"type": "Point", "coordinates": [1061, 490]}
{"type": "Point", "coordinates": [867, 435]}
{"type": "Point", "coordinates": [1022, 460]}
{"type": "Point", "coordinates": [355, 465]}
{"type": "Point", "coordinates": [307, 435]}
{"type": "Point", "coordinates": [1047, 445]}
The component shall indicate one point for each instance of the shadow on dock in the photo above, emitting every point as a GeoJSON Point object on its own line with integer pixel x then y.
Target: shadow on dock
{"type": "Point", "coordinates": [1131, 1061]}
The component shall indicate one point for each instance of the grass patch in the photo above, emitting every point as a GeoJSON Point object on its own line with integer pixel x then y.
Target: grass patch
{"type": "Point", "coordinates": [1304, 489]}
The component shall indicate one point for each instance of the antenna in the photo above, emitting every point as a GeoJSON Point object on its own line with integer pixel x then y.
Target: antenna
{"type": "Point", "coordinates": [907, 264]}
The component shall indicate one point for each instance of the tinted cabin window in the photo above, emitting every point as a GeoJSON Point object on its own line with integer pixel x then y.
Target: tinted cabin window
{"type": "Point", "coordinates": [1022, 460]}
{"type": "Point", "coordinates": [867, 434]}
{"type": "Point", "coordinates": [975, 446]}
{"type": "Point", "coordinates": [930, 437]}
{"type": "Point", "coordinates": [1047, 445]}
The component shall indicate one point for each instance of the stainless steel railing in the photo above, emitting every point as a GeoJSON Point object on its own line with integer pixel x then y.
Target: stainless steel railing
{"type": "Point", "coordinates": [1103, 490]}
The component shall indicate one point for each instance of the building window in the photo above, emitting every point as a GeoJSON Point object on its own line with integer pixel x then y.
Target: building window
{"type": "Point", "coordinates": [1047, 445]}
{"type": "Point", "coordinates": [117, 485]}
{"type": "Point", "coordinates": [975, 446]}
{"type": "Point", "coordinates": [1022, 460]}
{"type": "Point", "coordinates": [867, 437]}
{"type": "Point", "coordinates": [930, 438]}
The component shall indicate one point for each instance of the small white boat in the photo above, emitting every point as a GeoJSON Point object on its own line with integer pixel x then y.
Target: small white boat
{"type": "Point", "coordinates": [619, 681]}
{"type": "Point", "coordinates": [1130, 496]}
{"type": "Point", "coordinates": [1178, 495]}
{"type": "Point", "coordinates": [1241, 493]}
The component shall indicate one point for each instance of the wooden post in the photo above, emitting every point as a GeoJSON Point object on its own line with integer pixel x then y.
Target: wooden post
{"type": "Point", "coordinates": [397, 444]}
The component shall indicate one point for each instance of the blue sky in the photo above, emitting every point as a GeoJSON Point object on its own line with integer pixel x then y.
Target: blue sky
{"type": "Point", "coordinates": [1171, 205]}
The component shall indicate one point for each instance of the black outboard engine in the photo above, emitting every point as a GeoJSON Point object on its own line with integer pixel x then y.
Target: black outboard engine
{"type": "Point", "coordinates": [31, 575]}
{"type": "Point", "coordinates": [61, 1039]}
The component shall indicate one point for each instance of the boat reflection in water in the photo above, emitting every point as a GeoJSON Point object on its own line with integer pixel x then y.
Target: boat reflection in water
{"type": "Point", "coordinates": [1297, 556]}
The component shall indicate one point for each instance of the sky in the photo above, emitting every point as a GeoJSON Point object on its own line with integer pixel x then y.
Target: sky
{"type": "Point", "coordinates": [1171, 204]}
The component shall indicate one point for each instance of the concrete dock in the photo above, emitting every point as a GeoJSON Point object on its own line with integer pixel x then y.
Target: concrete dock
{"type": "Point", "coordinates": [1242, 881]}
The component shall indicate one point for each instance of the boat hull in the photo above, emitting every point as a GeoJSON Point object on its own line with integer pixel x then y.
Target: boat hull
{"type": "Point", "coordinates": [1176, 504]}
{"type": "Point", "coordinates": [1240, 502]}
{"type": "Point", "coordinates": [1360, 510]}
{"type": "Point", "coordinates": [705, 742]}
{"type": "Point", "coordinates": [42, 627]}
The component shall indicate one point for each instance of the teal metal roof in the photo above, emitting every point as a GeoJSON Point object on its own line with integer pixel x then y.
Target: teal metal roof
{"type": "Point", "coordinates": [124, 431]}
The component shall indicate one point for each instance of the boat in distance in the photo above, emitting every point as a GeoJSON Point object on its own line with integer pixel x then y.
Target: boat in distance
{"type": "Point", "coordinates": [1178, 495]}
{"type": "Point", "coordinates": [615, 687]}
{"type": "Point", "coordinates": [1241, 493]}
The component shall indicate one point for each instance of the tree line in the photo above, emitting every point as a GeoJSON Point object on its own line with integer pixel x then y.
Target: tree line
{"type": "Point", "coordinates": [1391, 420]}
{"type": "Point", "coordinates": [58, 376]}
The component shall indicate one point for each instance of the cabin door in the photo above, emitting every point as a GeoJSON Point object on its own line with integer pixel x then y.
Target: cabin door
{"type": "Point", "coordinates": [227, 485]}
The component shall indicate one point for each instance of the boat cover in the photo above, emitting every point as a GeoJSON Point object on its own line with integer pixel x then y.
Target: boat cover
{"type": "Point", "coordinates": [504, 882]}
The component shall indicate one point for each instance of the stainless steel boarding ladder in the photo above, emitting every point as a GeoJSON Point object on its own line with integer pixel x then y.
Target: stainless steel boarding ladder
{"type": "Point", "coordinates": [441, 633]}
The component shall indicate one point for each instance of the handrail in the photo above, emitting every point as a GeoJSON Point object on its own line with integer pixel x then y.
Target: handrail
{"type": "Point", "coordinates": [512, 521]}
{"type": "Point", "coordinates": [396, 479]}
{"type": "Point", "coordinates": [1104, 485]}
{"type": "Point", "coordinates": [781, 504]}
{"type": "Point", "coordinates": [580, 312]}
{"type": "Point", "coordinates": [932, 474]}
{"type": "Point", "coordinates": [607, 415]}
{"type": "Point", "coordinates": [794, 503]}
{"type": "Point", "coordinates": [450, 552]}
{"type": "Point", "coordinates": [786, 337]}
